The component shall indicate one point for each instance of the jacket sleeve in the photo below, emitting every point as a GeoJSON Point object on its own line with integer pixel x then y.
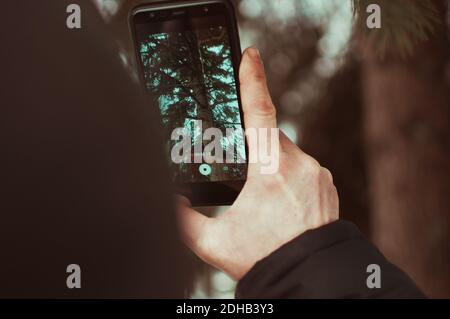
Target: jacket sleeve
{"type": "Point", "coordinates": [328, 262]}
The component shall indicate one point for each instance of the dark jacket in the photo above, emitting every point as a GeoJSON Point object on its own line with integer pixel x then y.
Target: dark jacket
{"type": "Point", "coordinates": [328, 262]}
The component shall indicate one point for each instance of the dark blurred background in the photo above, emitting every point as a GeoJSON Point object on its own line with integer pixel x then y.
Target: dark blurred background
{"type": "Point", "coordinates": [372, 106]}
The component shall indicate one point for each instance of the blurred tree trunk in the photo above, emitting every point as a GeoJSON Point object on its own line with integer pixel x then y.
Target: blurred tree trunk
{"type": "Point", "coordinates": [406, 124]}
{"type": "Point", "coordinates": [333, 135]}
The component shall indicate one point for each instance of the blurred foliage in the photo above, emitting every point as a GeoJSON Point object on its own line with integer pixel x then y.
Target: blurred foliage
{"type": "Point", "coordinates": [314, 72]}
{"type": "Point", "coordinates": [405, 24]}
{"type": "Point", "coordinates": [301, 50]}
{"type": "Point", "coordinates": [173, 63]}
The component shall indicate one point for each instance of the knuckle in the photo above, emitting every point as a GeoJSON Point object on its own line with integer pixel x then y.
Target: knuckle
{"type": "Point", "coordinates": [312, 166]}
{"type": "Point", "coordinates": [265, 107]}
{"type": "Point", "coordinates": [327, 174]}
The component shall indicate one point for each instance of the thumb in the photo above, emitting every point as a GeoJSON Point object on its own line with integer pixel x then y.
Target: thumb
{"type": "Point", "coordinates": [259, 111]}
{"type": "Point", "coordinates": [192, 225]}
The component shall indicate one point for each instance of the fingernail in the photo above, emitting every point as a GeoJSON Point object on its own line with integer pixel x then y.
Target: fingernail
{"type": "Point", "coordinates": [254, 53]}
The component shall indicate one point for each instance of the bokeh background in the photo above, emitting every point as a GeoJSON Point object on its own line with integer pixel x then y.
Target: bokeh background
{"type": "Point", "coordinates": [372, 106]}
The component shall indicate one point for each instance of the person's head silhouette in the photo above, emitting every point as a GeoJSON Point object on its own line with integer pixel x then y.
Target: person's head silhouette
{"type": "Point", "coordinates": [82, 180]}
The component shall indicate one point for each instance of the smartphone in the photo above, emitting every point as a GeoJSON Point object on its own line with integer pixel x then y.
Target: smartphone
{"type": "Point", "coordinates": [188, 55]}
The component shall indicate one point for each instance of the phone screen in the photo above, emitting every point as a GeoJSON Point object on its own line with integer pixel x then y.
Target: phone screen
{"type": "Point", "coordinates": [189, 68]}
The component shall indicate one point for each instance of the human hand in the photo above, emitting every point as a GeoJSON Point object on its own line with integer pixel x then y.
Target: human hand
{"type": "Point", "coordinates": [272, 209]}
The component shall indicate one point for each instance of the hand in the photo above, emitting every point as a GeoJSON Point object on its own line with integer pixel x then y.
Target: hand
{"type": "Point", "coordinates": [271, 209]}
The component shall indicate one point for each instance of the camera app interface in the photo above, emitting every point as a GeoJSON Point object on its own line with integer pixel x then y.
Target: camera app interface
{"type": "Point", "coordinates": [188, 71]}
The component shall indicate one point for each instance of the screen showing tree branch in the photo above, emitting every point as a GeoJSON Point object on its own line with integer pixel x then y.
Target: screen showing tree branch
{"type": "Point", "coordinates": [188, 70]}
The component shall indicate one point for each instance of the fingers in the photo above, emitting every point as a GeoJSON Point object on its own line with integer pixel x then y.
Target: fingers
{"type": "Point", "coordinates": [259, 111]}
{"type": "Point", "coordinates": [192, 225]}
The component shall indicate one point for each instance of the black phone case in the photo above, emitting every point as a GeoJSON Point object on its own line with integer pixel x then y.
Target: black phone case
{"type": "Point", "coordinates": [207, 193]}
